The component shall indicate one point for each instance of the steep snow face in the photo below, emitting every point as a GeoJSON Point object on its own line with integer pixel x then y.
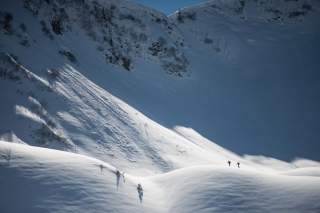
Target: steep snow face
{"type": "Point", "coordinates": [87, 119]}
{"type": "Point", "coordinates": [257, 64]}
{"type": "Point", "coordinates": [24, 107]}
{"type": "Point", "coordinates": [44, 180]}
{"type": "Point", "coordinates": [53, 56]}
{"type": "Point", "coordinates": [63, 59]}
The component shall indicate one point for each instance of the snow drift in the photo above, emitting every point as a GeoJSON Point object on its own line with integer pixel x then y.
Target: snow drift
{"type": "Point", "coordinates": [46, 180]}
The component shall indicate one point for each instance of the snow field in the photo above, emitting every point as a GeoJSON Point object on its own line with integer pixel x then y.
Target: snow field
{"type": "Point", "coordinates": [45, 180]}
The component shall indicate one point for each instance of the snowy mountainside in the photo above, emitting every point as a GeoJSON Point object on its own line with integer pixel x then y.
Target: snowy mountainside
{"type": "Point", "coordinates": [49, 49]}
{"type": "Point", "coordinates": [187, 73]}
{"type": "Point", "coordinates": [252, 63]}
{"type": "Point", "coordinates": [281, 11]}
{"type": "Point", "coordinates": [89, 120]}
{"type": "Point", "coordinates": [111, 84]}
{"type": "Point", "coordinates": [226, 26]}
{"type": "Point", "coordinates": [120, 31]}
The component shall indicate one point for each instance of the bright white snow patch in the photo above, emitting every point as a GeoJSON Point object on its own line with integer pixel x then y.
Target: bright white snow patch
{"type": "Point", "coordinates": [25, 112]}
{"type": "Point", "coordinates": [46, 180]}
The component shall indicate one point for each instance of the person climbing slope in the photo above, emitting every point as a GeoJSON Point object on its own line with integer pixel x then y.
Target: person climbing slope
{"type": "Point", "coordinates": [238, 163]}
{"type": "Point", "coordinates": [140, 192]}
{"type": "Point", "coordinates": [229, 162]}
{"type": "Point", "coordinates": [118, 174]}
{"type": "Point", "coordinates": [101, 167]}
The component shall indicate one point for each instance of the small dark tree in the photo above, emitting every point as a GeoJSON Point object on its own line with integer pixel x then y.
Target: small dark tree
{"type": "Point", "coordinates": [126, 63]}
{"type": "Point", "coordinates": [25, 42]}
{"type": "Point", "coordinates": [7, 23]}
{"type": "Point", "coordinates": [57, 26]}
{"type": "Point", "coordinates": [69, 55]}
{"type": "Point", "coordinates": [180, 17]}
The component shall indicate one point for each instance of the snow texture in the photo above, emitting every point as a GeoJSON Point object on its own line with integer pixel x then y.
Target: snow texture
{"type": "Point", "coordinates": [89, 88]}
{"type": "Point", "coordinates": [47, 180]}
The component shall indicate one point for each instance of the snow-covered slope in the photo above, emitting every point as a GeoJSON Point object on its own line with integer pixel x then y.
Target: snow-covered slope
{"type": "Point", "coordinates": [118, 32]}
{"type": "Point", "coordinates": [91, 121]}
{"type": "Point", "coordinates": [115, 82]}
{"type": "Point", "coordinates": [46, 180]}
{"type": "Point", "coordinates": [220, 189]}
{"type": "Point", "coordinates": [257, 64]}
{"type": "Point", "coordinates": [218, 71]}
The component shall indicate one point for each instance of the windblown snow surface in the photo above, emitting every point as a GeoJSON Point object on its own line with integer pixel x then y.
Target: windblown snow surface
{"type": "Point", "coordinates": [46, 180]}
{"type": "Point", "coordinates": [89, 88]}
